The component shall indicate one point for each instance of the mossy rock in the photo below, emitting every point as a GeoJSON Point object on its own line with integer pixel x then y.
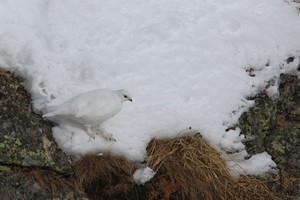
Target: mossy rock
{"type": "Point", "coordinates": [275, 125]}
{"type": "Point", "coordinates": [25, 138]}
{"type": "Point", "coordinates": [18, 186]}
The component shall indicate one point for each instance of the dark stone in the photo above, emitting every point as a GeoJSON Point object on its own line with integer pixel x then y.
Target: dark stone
{"type": "Point", "coordinates": [275, 124]}
{"type": "Point", "coordinates": [290, 59]}
{"type": "Point", "coordinates": [26, 143]}
{"type": "Point", "coordinates": [16, 186]}
{"type": "Point", "coordinates": [25, 138]}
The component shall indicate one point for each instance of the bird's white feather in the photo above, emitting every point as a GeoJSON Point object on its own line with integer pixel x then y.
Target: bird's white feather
{"type": "Point", "coordinates": [90, 108]}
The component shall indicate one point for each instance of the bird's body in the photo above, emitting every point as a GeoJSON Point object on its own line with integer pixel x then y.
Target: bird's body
{"type": "Point", "coordinates": [91, 109]}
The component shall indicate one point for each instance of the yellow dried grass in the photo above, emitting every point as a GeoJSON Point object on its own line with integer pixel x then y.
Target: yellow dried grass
{"type": "Point", "coordinates": [199, 172]}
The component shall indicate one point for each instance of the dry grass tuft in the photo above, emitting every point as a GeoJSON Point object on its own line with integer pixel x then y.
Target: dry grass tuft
{"type": "Point", "coordinates": [197, 171]}
{"type": "Point", "coordinates": [51, 180]}
{"type": "Point", "coordinates": [253, 187]}
{"type": "Point", "coordinates": [287, 182]}
{"type": "Point", "coordinates": [284, 183]}
{"type": "Point", "coordinates": [104, 175]}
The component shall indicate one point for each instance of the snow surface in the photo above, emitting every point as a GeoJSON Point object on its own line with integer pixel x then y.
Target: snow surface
{"type": "Point", "coordinates": [143, 175]}
{"type": "Point", "coordinates": [184, 62]}
{"type": "Point", "coordinates": [250, 166]}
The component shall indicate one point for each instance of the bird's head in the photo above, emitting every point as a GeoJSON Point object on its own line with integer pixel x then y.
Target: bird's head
{"type": "Point", "coordinates": [124, 95]}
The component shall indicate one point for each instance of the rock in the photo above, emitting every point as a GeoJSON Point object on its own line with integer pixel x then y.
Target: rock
{"type": "Point", "coordinates": [26, 144]}
{"type": "Point", "coordinates": [25, 138]}
{"type": "Point", "coordinates": [275, 124]}
{"type": "Point", "coordinates": [15, 186]}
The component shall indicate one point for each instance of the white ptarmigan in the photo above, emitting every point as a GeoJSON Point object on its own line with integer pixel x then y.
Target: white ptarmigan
{"type": "Point", "coordinates": [91, 109]}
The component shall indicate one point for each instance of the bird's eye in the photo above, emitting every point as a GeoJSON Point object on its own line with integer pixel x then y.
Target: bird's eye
{"type": "Point", "coordinates": [125, 96]}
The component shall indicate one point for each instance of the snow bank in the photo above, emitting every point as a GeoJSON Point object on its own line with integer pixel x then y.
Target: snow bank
{"type": "Point", "coordinates": [184, 62]}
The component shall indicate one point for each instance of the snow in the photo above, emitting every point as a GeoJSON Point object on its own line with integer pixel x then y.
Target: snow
{"type": "Point", "coordinates": [143, 175]}
{"type": "Point", "coordinates": [184, 62]}
{"type": "Point", "coordinates": [258, 165]}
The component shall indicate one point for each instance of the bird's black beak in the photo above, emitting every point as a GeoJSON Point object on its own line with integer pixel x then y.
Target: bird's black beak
{"type": "Point", "coordinates": [130, 100]}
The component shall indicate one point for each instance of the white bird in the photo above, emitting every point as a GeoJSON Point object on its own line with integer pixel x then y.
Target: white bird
{"type": "Point", "coordinates": [91, 109]}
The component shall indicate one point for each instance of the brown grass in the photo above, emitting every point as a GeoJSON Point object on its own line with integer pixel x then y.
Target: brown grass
{"type": "Point", "coordinates": [199, 172]}
{"type": "Point", "coordinates": [51, 181]}
{"type": "Point", "coordinates": [284, 183]}
{"type": "Point", "coordinates": [186, 167]}
{"type": "Point", "coordinates": [104, 175]}
{"type": "Point", "coordinates": [3, 72]}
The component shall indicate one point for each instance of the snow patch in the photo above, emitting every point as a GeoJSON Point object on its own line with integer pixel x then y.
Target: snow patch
{"type": "Point", "coordinates": [143, 175]}
{"type": "Point", "coordinates": [257, 165]}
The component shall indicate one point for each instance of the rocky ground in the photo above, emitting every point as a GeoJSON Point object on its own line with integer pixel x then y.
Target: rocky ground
{"type": "Point", "coordinates": [275, 125]}
{"type": "Point", "coordinates": [25, 142]}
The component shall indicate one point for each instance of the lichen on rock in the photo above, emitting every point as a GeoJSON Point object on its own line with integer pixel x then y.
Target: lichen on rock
{"type": "Point", "coordinates": [25, 138]}
{"type": "Point", "coordinates": [275, 125]}
{"type": "Point", "coordinates": [26, 143]}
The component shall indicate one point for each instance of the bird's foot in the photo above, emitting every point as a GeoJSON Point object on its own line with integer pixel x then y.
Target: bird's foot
{"type": "Point", "coordinates": [93, 136]}
{"type": "Point", "coordinates": [109, 136]}
{"type": "Point", "coordinates": [90, 132]}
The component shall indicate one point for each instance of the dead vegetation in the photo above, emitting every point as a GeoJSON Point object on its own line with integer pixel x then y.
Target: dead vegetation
{"type": "Point", "coordinates": [104, 175]}
{"type": "Point", "coordinates": [51, 180]}
{"type": "Point", "coordinates": [199, 172]}
{"type": "Point", "coordinates": [187, 168]}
